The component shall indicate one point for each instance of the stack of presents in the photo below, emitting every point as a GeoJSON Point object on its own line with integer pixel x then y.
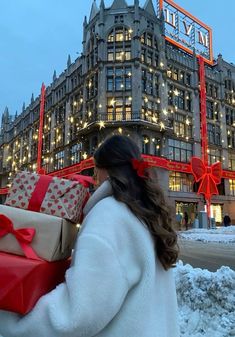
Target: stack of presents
{"type": "Point", "coordinates": [37, 234]}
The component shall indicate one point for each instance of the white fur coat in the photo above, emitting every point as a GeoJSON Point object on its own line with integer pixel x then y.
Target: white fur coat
{"type": "Point", "coordinates": [114, 287]}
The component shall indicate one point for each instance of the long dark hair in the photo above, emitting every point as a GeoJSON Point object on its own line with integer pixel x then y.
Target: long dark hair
{"type": "Point", "coordinates": [143, 196]}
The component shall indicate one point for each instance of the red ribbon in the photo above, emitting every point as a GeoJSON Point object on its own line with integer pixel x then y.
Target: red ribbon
{"type": "Point", "coordinates": [210, 176]}
{"type": "Point", "coordinates": [140, 166]}
{"type": "Point", "coordinates": [23, 235]}
{"type": "Point", "coordinates": [86, 181]}
{"type": "Point", "coordinates": [39, 193]}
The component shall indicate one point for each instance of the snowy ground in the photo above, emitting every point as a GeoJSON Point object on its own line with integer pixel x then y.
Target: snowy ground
{"type": "Point", "coordinates": [220, 234]}
{"type": "Point", "coordinates": [206, 299]}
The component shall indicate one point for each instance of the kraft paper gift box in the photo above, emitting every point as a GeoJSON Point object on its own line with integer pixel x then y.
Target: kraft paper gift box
{"type": "Point", "coordinates": [50, 195]}
{"type": "Point", "coordinates": [52, 237]}
{"type": "Point", "coordinates": [23, 281]}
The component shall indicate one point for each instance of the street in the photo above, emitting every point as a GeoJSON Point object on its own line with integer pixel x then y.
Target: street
{"type": "Point", "coordinates": [209, 256]}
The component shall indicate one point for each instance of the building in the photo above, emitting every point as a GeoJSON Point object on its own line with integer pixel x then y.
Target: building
{"type": "Point", "coordinates": [129, 79]}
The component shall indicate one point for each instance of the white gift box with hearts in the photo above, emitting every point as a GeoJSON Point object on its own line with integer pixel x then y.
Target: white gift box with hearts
{"type": "Point", "coordinates": [50, 195]}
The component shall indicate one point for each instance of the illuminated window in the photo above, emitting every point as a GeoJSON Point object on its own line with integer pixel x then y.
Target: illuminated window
{"type": "Point", "coordinates": [75, 153]}
{"type": "Point", "coordinates": [231, 161]}
{"type": "Point", "coordinates": [232, 187]}
{"type": "Point", "coordinates": [180, 182]}
{"type": "Point", "coordinates": [150, 110]}
{"type": "Point", "coordinates": [182, 125]}
{"type": "Point", "coordinates": [119, 108]}
{"type": "Point", "coordinates": [119, 34]}
{"type": "Point", "coordinates": [59, 160]}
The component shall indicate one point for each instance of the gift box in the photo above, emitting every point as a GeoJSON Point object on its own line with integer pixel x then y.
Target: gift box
{"type": "Point", "coordinates": [25, 233]}
{"type": "Point", "coordinates": [23, 281]}
{"type": "Point", "coordinates": [50, 195]}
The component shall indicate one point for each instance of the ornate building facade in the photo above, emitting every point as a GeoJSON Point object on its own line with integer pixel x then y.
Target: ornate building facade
{"type": "Point", "coordinates": [130, 80]}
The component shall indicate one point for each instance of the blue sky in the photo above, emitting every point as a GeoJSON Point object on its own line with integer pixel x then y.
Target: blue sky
{"type": "Point", "coordinates": [36, 37]}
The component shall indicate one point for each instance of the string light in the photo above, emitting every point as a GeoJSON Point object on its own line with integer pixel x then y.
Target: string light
{"type": "Point", "coordinates": [162, 126]}
{"type": "Point", "coordinates": [176, 92]}
{"type": "Point", "coordinates": [165, 112]}
{"type": "Point", "coordinates": [101, 124]}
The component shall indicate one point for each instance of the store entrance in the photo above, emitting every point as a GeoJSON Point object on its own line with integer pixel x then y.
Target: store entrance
{"type": "Point", "coordinates": [190, 208]}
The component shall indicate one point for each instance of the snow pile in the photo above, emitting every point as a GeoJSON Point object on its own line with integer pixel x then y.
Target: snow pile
{"type": "Point", "coordinates": [206, 301]}
{"type": "Point", "coordinates": [221, 234]}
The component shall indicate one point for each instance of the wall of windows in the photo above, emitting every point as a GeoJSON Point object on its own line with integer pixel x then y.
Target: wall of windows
{"type": "Point", "coordinates": [179, 151]}
{"type": "Point", "coordinates": [181, 182]}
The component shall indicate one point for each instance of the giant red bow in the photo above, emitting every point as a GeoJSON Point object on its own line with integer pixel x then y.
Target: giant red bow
{"type": "Point", "coordinates": [23, 235]}
{"type": "Point", "coordinates": [210, 176]}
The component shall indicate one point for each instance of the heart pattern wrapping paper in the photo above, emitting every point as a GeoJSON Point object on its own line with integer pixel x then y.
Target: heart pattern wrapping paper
{"type": "Point", "coordinates": [62, 198]}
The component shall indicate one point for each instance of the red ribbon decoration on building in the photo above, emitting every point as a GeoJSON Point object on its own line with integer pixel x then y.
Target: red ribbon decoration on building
{"type": "Point", "coordinates": [23, 235]}
{"type": "Point", "coordinates": [210, 176]}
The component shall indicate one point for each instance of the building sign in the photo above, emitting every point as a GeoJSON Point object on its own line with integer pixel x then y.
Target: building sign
{"type": "Point", "coordinates": [186, 31]}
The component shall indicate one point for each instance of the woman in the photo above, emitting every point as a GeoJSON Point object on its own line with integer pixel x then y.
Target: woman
{"type": "Point", "coordinates": [120, 283]}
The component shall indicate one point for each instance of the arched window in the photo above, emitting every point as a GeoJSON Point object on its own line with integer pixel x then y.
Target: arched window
{"type": "Point", "coordinates": [119, 44]}
{"type": "Point", "coordinates": [120, 34]}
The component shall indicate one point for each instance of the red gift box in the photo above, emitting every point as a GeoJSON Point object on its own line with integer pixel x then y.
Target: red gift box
{"type": "Point", "coordinates": [23, 281]}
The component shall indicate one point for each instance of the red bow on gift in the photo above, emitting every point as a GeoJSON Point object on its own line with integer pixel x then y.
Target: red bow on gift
{"type": "Point", "coordinates": [86, 181]}
{"type": "Point", "coordinates": [210, 176]}
{"type": "Point", "coordinates": [140, 166]}
{"type": "Point", "coordinates": [23, 235]}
